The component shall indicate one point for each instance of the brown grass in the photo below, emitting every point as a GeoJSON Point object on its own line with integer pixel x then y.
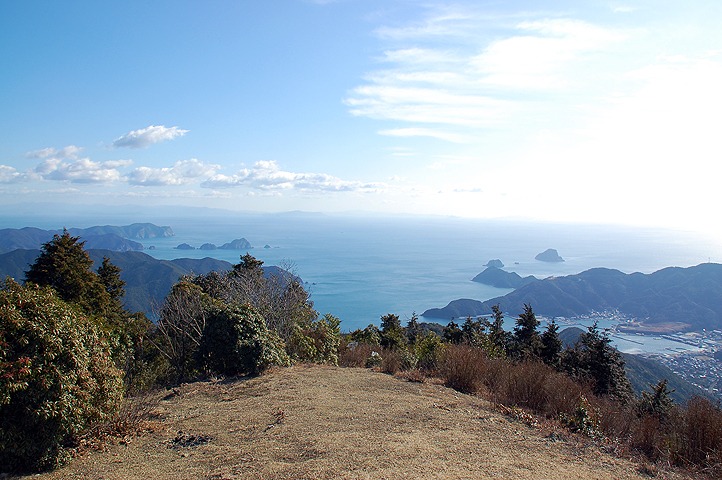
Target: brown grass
{"type": "Point", "coordinates": [328, 422]}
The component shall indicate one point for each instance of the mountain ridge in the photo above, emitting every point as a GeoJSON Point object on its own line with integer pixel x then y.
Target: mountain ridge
{"type": "Point", "coordinates": [670, 299]}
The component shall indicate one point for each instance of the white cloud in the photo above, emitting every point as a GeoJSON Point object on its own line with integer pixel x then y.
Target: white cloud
{"type": "Point", "coordinates": [70, 152]}
{"type": "Point", "coordinates": [145, 137]}
{"type": "Point", "coordinates": [267, 176]}
{"type": "Point", "coordinates": [181, 173]}
{"type": "Point", "coordinates": [83, 170]}
{"type": "Point", "coordinates": [469, 72]}
{"type": "Point", "coordinates": [10, 175]}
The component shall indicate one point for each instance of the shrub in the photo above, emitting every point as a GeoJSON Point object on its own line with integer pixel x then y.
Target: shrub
{"type": "Point", "coordinates": [374, 360]}
{"type": "Point", "coordinates": [354, 354]}
{"type": "Point", "coordinates": [237, 341]}
{"type": "Point", "coordinates": [57, 378]}
{"type": "Point", "coordinates": [700, 432]}
{"type": "Point", "coordinates": [316, 341]}
{"type": "Point", "coordinates": [462, 368]}
{"type": "Point", "coordinates": [429, 351]}
{"type": "Point", "coordinates": [397, 360]}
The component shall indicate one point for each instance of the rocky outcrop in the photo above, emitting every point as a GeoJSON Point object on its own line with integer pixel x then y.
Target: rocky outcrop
{"type": "Point", "coordinates": [496, 263]}
{"type": "Point", "coordinates": [237, 244]}
{"type": "Point", "coordinates": [549, 255]}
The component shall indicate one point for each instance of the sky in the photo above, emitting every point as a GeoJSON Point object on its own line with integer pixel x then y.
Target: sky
{"type": "Point", "coordinates": [571, 111]}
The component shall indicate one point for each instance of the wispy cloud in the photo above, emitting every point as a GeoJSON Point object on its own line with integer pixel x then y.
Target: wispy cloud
{"type": "Point", "coordinates": [444, 71]}
{"type": "Point", "coordinates": [424, 132]}
{"type": "Point", "coordinates": [83, 170]}
{"type": "Point", "coordinates": [145, 137]}
{"type": "Point", "coordinates": [69, 152]}
{"type": "Point", "coordinates": [267, 176]}
{"type": "Point", "coordinates": [181, 173]}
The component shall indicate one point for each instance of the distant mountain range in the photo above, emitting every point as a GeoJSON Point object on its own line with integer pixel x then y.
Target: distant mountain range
{"type": "Point", "coordinates": [100, 237]}
{"type": "Point", "coordinates": [671, 299]}
{"type": "Point", "coordinates": [147, 279]}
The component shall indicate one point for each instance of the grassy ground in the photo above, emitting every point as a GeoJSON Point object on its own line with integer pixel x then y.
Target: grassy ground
{"type": "Point", "coordinates": [327, 422]}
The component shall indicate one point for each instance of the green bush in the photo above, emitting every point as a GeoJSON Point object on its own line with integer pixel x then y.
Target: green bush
{"type": "Point", "coordinates": [237, 341]}
{"type": "Point", "coordinates": [57, 378]}
{"type": "Point", "coordinates": [316, 341]}
{"type": "Point", "coordinates": [429, 351]}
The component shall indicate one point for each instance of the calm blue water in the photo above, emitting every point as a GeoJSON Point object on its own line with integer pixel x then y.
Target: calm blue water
{"type": "Point", "coordinates": [360, 269]}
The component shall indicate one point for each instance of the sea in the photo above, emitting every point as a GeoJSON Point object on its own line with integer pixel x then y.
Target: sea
{"type": "Point", "coordinates": [361, 267]}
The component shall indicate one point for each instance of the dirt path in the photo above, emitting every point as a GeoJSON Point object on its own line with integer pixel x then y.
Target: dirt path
{"type": "Point", "coordinates": [326, 422]}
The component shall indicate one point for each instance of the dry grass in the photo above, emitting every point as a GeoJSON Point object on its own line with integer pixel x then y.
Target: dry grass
{"type": "Point", "coordinates": [328, 422]}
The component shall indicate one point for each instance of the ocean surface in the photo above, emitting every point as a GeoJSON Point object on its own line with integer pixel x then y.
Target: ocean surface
{"type": "Point", "coordinates": [360, 268]}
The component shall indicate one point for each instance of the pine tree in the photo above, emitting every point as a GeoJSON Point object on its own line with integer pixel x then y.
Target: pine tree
{"type": "Point", "coordinates": [65, 266]}
{"type": "Point", "coordinates": [657, 402]}
{"type": "Point", "coordinates": [603, 364]}
{"type": "Point", "coordinates": [526, 337]}
{"type": "Point", "coordinates": [412, 329]}
{"type": "Point", "coordinates": [109, 276]}
{"type": "Point", "coordinates": [452, 333]}
{"type": "Point", "coordinates": [498, 336]}
{"type": "Point", "coordinates": [392, 334]}
{"type": "Point", "coordinates": [551, 345]}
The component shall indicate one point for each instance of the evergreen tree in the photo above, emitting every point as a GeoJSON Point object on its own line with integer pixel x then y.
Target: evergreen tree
{"type": "Point", "coordinates": [657, 402]}
{"type": "Point", "coordinates": [452, 333]}
{"type": "Point", "coordinates": [527, 342]}
{"type": "Point", "coordinates": [603, 364]}
{"type": "Point", "coordinates": [65, 266]}
{"type": "Point", "coordinates": [497, 335]}
{"type": "Point", "coordinates": [473, 332]}
{"type": "Point", "coordinates": [412, 329]}
{"type": "Point", "coordinates": [392, 334]}
{"type": "Point", "coordinates": [109, 276]}
{"type": "Point", "coordinates": [551, 345]}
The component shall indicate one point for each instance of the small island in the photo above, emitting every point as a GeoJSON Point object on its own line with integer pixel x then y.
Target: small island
{"type": "Point", "coordinates": [549, 255]}
{"type": "Point", "coordinates": [208, 246]}
{"type": "Point", "coordinates": [496, 263]}
{"type": "Point", "coordinates": [185, 246]}
{"type": "Point", "coordinates": [237, 244]}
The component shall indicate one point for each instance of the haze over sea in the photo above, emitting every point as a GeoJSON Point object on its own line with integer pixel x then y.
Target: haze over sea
{"type": "Point", "coordinates": [359, 268]}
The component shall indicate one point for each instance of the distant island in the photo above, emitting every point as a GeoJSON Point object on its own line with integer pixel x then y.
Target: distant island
{"type": "Point", "coordinates": [549, 255]}
{"type": "Point", "coordinates": [237, 244]}
{"type": "Point", "coordinates": [496, 277]}
{"type": "Point", "coordinates": [669, 300]}
{"type": "Point", "coordinates": [119, 239]}
{"type": "Point", "coordinates": [494, 263]}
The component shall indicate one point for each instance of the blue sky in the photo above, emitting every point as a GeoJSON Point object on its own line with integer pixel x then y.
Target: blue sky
{"type": "Point", "coordinates": [574, 111]}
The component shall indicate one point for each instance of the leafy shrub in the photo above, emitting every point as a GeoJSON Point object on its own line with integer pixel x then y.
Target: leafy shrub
{"type": "Point", "coordinates": [374, 360]}
{"type": "Point", "coordinates": [316, 341]}
{"type": "Point", "coordinates": [584, 419]}
{"type": "Point", "coordinates": [429, 351]}
{"type": "Point", "coordinates": [237, 341]}
{"type": "Point", "coordinates": [57, 378]}
{"type": "Point", "coordinates": [370, 335]}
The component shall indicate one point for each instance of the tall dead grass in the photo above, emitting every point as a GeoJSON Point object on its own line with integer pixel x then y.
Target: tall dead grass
{"type": "Point", "coordinates": [690, 436]}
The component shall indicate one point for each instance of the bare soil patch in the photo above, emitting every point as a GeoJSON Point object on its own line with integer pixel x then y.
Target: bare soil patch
{"type": "Point", "coordinates": [326, 422]}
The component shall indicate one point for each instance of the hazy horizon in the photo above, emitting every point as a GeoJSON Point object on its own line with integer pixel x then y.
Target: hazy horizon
{"type": "Point", "coordinates": [591, 112]}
